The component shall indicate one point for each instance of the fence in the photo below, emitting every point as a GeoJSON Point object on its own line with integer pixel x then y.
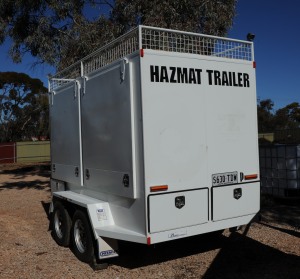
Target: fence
{"type": "Point", "coordinates": [290, 136]}
{"type": "Point", "coordinates": [20, 152]}
{"type": "Point", "coordinates": [266, 136]}
{"type": "Point", "coordinates": [7, 153]}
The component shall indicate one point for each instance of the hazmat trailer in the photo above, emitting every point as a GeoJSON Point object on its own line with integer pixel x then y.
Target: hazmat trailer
{"type": "Point", "coordinates": [153, 138]}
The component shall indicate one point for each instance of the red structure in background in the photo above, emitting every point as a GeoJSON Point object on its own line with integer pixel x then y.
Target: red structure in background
{"type": "Point", "coordinates": [7, 152]}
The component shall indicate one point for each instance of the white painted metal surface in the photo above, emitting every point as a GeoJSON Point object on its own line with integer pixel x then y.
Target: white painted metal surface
{"type": "Point", "coordinates": [226, 206]}
{"type": "Point", "coordinates": [65, 139]}
{"type": "Point", "coordinates": [178, 111]}
{"type": "Point", "coordinates": [106, 131]}
{"type": "Point", "coordinates": [164, 215]}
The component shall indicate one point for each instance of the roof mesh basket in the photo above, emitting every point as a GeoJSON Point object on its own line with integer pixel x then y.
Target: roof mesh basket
{"type": "Point", "coordinates": [145, 37]}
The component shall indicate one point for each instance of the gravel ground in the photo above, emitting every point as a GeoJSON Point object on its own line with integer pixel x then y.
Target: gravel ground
{"type": "Point", "coordinates": [269, 248]}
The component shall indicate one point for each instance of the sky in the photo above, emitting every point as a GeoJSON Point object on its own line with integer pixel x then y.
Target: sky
{"type": "Point", "coordinates": [276, 25]}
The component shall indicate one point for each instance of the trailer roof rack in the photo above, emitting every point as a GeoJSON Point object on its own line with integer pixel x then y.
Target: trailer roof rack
{"type": "Point", "coordinates": [145, 37]}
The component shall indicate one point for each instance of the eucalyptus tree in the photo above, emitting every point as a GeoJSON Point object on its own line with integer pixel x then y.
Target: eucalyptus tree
{"type": "Point", "coordinates": [59, 32]}
{"type": "Point", "coordinates": [23, 107]}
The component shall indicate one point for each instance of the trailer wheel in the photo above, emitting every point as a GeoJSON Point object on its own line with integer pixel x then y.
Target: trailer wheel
{"type": "Point", "coordinates": [82, 238]}
{"type": "Point", "coordinates": [61, 225]}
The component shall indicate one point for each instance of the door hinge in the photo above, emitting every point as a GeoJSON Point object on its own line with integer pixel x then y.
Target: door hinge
{"type": "Point", "coordinates": [76, 171]}
{"type": "Point", "coordinates": [83, 87]}
{"type": "Point", "coordinates": [87, 174]}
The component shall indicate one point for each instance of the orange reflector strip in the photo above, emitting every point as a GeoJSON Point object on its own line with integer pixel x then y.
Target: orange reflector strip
{"type": "Point", "coordinates": [142, 52]}
{"type": "Point", "coordinates": [159, 188]}
{"type": "Point", "coordinates": [149, 240]}
{"type": "Point", "coordinates": [250, 176]}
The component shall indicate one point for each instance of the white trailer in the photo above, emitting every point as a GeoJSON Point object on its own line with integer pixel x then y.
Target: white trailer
{"type": "Point", "coordinates": [153, 138]}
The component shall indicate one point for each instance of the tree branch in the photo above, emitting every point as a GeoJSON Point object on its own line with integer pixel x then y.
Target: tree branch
{"type": "Point", "coordinates": [104, 2]}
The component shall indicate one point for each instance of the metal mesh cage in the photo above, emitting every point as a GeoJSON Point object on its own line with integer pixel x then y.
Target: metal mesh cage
{"type": "Point", "coordinates": [145, 37]}
{"type": "Point", "coordinates": [65, 76]}
{"type": "Point", "coordinates": [107, 54]}
{"type": "Point", "coordinates": [117, 49]}
{"type": "Point", "coordinates": [184, 42]}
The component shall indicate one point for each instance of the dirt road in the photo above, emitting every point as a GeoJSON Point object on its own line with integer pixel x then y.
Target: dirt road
{"type": "Point", "coordinates": [268, 249]}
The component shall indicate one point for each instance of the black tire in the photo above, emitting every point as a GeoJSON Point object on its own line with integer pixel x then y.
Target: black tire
{"type": "Point", "coordinates": [82, 237]}
{"type": "Point", "coordinates": [61, 224]}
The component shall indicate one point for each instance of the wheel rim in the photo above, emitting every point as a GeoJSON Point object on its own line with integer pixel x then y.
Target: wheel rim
{"type": "Point", "coordinates": [80, 236]}
{"type": "Point", "coordinates": [58, 224]}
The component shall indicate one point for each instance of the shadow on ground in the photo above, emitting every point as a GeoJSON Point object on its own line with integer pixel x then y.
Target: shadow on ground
{"type": "Point", "coordinates": [23, 174]}
{"type": "Point", "coordinates": [20, 171]}
{"type": "Point", "coordinates": [281, 211]}
{"type": "Point", "coordinates": [134, 255]}
{"type": "Point", "coordinates": [239, 257]}
{"type": "Point", "coordinates": [286, 231]}
{"type": "Point", "coordinates": [46, 207]}
{"type": "Point", "coordinates": [33, 184]}
{"type": "Point", "coordinates": [243, 257]}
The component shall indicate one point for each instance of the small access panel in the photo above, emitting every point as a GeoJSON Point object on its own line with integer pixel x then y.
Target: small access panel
{"type": "Point", "coordinates": [233, 201]}
{"type": "Point", "coordinates": [176, 210]}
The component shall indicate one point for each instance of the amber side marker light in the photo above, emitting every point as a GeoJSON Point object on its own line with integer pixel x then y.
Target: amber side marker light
{"type": "Point", "coordinates": [250, 176]}
{"type": "Point", "coordinates": [159, 188]}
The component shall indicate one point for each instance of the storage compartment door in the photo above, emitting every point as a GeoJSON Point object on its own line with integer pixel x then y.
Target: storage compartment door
{"type": "Point", "coordinates": [176, 210]}
{"type": "Point", "coordinates": [65, 146]}
{"type": "Point", "coordinates": [107, 133]}
{"type": "Point", "coordinates": [235, 201]}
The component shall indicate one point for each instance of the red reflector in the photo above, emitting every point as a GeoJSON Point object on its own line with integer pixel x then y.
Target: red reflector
{"type": "Point", "coordinates": [254, 64]}
{"type": "Point", "coordinates": [159, 188]}
{"type": "Point", "coordinates": [250, 176]}
{"type": "Point", "coordinates": [149, 240]}
{"type": "Point", "coordinates": [142, 52]}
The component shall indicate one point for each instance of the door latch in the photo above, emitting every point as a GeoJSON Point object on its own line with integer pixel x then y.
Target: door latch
{"type": "Point", "coordinates": [237, 193]}
{"type": "Point", "coordinates": [180, 202]}
{"type": "Point", "coordinates": [126, 180]}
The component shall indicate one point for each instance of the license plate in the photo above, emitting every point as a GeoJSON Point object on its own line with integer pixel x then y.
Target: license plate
{"type": "Point", "coordinates": [224, 178]}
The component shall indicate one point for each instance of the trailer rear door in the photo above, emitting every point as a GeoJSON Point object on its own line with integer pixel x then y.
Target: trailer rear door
{"type": "Point", "coordinates": [174, 121]}
{"type": "Point", "coordinates": [232, 138]}
{"type": "Point", "coordinates": [199, 125]}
